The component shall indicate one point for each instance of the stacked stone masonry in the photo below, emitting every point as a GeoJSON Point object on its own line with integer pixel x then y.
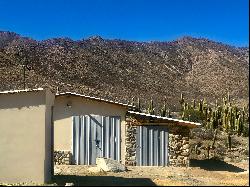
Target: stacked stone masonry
{"type": "Point", "coordinates": [62, 157]}
{"type": "Point", "coordinates": [130, 157]}
{"type": "Point", "coordinates": [179, 148]}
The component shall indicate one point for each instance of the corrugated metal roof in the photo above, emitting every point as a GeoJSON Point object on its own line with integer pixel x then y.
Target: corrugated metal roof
{"type": "Point", "coordinates": [19, 91]}
{"type": "Point", "coordinates": [164, 118]}
{"type": "Point", "coordinates": [94, 98]}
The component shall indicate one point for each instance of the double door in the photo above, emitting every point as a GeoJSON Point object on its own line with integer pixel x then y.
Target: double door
{"type": "Point", "coordinates": [96, 136]}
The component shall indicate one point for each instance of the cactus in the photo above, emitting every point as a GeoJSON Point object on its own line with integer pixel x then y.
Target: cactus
{"type": "Point", "coordinates": [229, 141]}
{"type": "Point", "coordinates": [225, 116]}
{"type": "Point", "coordinates": [204, 102]}
{"type": "Point", "coordinates": [240, 125]}
{"type": "Point", "coordinates": [138, 104]}
{"type": "Point", "coordinates": [237, 125]}
{"type": "Point", "coordinates": [133, 101]}
{"type": "Point", "coordinates": [183, 116]}
{"type": "Point", "coordinates": [224, 101]}
{"type": "Point", "coordinates": [225, 110]}
{"type": "Point", "coordinates": [182, 101]}
{"type": "Point", "coordinates": [186, 106]}
{"type": "Point", "coordinates": [194, 104]}
{"type": "Point", "coordinates": [228, 97]}
{"type": "Point", "coordinates": [200, 106]}
{"type": "Point", "coordinates": [224, 122]}
{"type": "Point", "coordinates": [169, 113]}
{"type": "Point", "coordinates": [151, 109]}
{"type": "Point", "coordinates": [164, 110]}
{"type": "Point", "coordinates": [205, 112]}
{"type": "Point", "coordinates": [243, 115]}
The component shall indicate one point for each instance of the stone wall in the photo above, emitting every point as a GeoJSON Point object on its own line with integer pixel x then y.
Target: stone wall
{"type": "Point", "coordinates": [130, 143]}
{"type": "Point", "coordinates": [178, 149]}
{"type": "Point", "coordinates": [62, 157]}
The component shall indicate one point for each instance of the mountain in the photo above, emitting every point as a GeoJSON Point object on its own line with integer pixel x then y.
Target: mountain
{"type": "Point", "coordinates": [119, 70]}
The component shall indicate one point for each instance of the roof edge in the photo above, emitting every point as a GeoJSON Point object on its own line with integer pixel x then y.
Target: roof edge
{"type": "Point", "coordinates": [94, 98]}
{"type": "Point", "coordinates": [20, 91]}
{"type": "Point", "coordinates": [165, 118]}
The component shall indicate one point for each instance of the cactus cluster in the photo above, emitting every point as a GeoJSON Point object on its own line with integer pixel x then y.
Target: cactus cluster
{"type": "Point", "coordinates": [225, 117]}
{"type": "Point", "coordinates": [164, 111]}
{"type": "Point", "coordinates": [222, 116]}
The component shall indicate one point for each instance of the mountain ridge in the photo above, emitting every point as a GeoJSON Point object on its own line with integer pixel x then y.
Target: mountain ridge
{"type": "Point", "coordinates": [119, 69]}
{"type": "Point", "coordinates": [184, 37]}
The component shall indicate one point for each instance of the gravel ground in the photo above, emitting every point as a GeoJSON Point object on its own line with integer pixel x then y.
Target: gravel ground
{"type": "Point", "coordinates": [200, 173]}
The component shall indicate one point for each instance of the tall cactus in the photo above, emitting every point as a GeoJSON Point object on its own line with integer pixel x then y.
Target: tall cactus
{"type": "Point", "coordinates": [237, 125]}
{"type": "Point", "coordinates": [228, 97]}
{"type": "Point", "coordinates": [194, 104]}
{"type": "Point", "coordinates": [205, 112]}
{"type": "Point", "coordinates": [169, 113]}
{"type": "Point", "coordinates": [186, 107]}
{"type": "Point", "coordinates": [216, 103]}
{"type": "Point", "coordinates": [200, 106]}
{"type": "Point", "coordinates": [224, 116]}
{"type": "Point", "coordinates": [151, 109]}
{"type": "Point", "coordinates": [204, 102]}
{"type": "Point", "coordinates": [182, 101]}
{"type": "Point", "coordinates": [243, 117]}
{"type": "Point", "coordinates": [133, 101]}
{"type": "Point", "coordinates": [229, 141]}
{"type": "Point", "coordinates": [138, 104]}
{"type": "Point", "coordinates": [224, 122]}
{"type": "Point", "coordinates": [224, 101]}
{"type": "Point", "coordinates": [164, 110]}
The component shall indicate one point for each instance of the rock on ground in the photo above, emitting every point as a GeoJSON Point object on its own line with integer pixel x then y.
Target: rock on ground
{"type": "Point", "coordinates": [69, 184]}
{"type": "Point", "coordinates": [95, 170]}
{"type": "Point", "coordinates": [107, 164]}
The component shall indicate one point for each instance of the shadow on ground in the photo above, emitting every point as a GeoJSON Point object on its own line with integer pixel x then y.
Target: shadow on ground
{"type": "Point", "coordinates": [101, 181]}
{"type": "Point", "coordinates": [215, 165]}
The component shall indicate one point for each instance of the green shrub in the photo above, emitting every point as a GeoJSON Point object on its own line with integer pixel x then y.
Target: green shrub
{"type": "Point", "coordinates": [193, 115]}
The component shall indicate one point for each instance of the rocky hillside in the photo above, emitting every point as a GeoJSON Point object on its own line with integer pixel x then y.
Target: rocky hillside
{"type": "Point", "coordinates": [120, 70]}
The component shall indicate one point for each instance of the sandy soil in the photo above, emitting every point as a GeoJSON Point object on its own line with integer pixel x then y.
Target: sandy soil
{"type": "Point", "coordinates": [200, 173]}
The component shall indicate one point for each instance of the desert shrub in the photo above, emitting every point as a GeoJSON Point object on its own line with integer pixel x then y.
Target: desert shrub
{"type": "Point", "coordinates": [202, 133]}
{"type": "Point", "coordinates": [193, 115]}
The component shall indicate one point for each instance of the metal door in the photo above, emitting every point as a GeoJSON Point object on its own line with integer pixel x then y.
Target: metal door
{"type": "Point", "coordinates": [95, 136]}
{"type": "Point", "coordinates": [152, 146]}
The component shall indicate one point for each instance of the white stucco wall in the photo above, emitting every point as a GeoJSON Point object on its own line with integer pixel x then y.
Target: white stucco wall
{"type": "Point", "coordinates": [25, 131]}
{"type": "Point", "coordinates": [82, 106]}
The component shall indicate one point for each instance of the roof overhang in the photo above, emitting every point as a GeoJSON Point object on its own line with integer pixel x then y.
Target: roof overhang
{"type": "Point", "coordinates": [21, 91]}
{"type": "Point", "coordinates": [147, 119]}
{"type": "Point", "coordinates": [94, 98]}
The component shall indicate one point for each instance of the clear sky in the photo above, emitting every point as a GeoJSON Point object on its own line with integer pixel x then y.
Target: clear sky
{"type": "Point", "coordinates": [141, 20]}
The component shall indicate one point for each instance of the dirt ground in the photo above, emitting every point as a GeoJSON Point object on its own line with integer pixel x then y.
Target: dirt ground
{"type": "Point", "coordinates": [200, 173]}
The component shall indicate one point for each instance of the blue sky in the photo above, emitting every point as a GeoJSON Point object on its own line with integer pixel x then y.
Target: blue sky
{"type": "Point", "coordinates": [141, 20]}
